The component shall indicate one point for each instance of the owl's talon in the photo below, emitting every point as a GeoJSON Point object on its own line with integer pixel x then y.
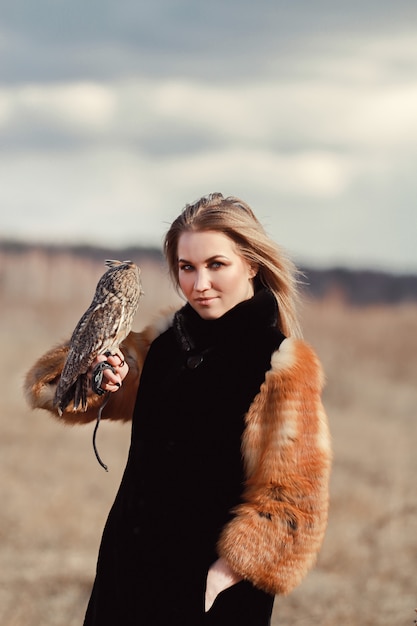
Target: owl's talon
{"type": "Point", "coordinates": [108, 353]}
{"type": "Point", "coordinates": [97, 377]}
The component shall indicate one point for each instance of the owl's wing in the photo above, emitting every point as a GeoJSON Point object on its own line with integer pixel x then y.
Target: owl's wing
{"type": "Point", "coordinates": [97, 331]}
{"type": "Point", "coordinates": [93, 335]}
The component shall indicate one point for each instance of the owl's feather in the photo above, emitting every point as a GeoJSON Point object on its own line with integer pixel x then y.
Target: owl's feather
{"type": "Point", "coordinates": [107, 321]}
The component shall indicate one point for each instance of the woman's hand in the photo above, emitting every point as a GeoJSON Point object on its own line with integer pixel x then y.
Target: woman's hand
{"type": "Point", "coordinates": [220, 577]}
{"type": "Point", "coordinates": [112, 381]}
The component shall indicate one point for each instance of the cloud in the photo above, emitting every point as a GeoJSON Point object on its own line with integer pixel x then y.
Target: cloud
{"type": "Point", "coordinates": [360, 94]}
{"type": "Point", "coordinates": [316, 129]}
{"type": "Point", "coordinates": [255, 114]}
{"type": "Point", "coordinates": [103, 40]}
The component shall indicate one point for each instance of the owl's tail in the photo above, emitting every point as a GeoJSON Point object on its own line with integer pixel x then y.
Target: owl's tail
{"type": "Point", "coordinates": [75, 393]}
{"type": "Point", "coordinates": [80, 392]}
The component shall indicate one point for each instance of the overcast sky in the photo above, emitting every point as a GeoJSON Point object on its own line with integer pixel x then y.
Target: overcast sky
{"type": "Point", "coordinates": [113, 115]}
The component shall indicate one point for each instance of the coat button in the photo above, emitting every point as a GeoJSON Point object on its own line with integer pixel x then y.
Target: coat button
{"type": "Point", "coordinates": [194, 361]}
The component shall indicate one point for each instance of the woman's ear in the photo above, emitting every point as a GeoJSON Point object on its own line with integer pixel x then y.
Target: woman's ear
{"type": "Point", "coordinates": [253, 270]}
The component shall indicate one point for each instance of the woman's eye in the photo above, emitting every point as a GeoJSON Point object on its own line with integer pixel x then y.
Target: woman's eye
{"type": "Point", "coordinates": [186, 268]}
{"type": "Point", "coordinates": [216, 264]}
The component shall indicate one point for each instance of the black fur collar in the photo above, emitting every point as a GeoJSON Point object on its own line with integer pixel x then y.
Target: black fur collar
{"type": "Point", "coordinates": [247, 318]}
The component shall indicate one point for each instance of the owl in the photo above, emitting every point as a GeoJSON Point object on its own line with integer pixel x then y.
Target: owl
{"type": "Point", "coordinates": [105, 324]}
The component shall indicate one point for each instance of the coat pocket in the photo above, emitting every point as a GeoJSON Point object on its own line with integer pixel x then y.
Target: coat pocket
{"type": "Point", "coordinates": [241, 604]}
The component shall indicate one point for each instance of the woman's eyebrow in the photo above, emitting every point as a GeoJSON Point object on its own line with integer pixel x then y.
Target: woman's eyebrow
{"type": "Point", "coordinates": [209, 260]}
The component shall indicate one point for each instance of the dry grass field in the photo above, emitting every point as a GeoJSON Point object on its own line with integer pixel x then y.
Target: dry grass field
{"type": "Point", "coordinates": [55, 497]}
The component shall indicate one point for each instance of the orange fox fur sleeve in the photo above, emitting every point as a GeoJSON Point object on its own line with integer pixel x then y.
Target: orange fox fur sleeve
{"type": "Point", "coordinates": [40, 383]}
{"type": "Point", "coordinates": [277, 531]}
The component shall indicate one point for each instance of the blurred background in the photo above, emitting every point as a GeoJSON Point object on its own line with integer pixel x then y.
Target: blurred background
{"type": "Point", "coordinates": [112, 117]}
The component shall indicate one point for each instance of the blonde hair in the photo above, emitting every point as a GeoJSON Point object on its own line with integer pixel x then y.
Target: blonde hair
{"type": "Point", "coordinates": [235, 219]}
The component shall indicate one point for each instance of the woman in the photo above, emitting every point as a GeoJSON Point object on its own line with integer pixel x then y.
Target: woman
{"type": "Point", "coordinates": [223, 503]}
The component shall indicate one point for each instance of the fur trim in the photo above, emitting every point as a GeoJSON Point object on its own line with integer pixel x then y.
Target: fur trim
{"type": "Point", "coordinates": [41, 380]}
{"type": "Point", "coordinates": [277, 531]}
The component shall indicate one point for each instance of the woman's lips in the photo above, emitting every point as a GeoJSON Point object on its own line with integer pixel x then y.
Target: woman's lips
{"type": "Point", "coordinates": [206, 300]}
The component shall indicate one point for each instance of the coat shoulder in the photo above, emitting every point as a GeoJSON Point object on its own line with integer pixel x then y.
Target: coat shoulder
{"type": "Point", "coordinates": [297, 359]}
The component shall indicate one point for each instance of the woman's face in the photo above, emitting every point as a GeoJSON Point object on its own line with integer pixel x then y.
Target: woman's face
{"type": "Point", "coordinates": [213, 276]}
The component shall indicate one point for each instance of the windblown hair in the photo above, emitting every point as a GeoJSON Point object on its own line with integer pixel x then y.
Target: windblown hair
{"type": "Point", "coordinates": [235, 219]}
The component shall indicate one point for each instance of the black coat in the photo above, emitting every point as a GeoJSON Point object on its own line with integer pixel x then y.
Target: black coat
{"type": "Point", "coordinates": [184, 472]}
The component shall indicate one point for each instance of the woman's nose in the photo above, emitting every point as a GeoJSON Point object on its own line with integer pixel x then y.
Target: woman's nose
{"type": "Point", "coordinates": [202, 281]}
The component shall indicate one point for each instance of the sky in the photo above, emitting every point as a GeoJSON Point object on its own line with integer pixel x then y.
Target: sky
{"type": "Point", "coordinates": [114, 115]}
